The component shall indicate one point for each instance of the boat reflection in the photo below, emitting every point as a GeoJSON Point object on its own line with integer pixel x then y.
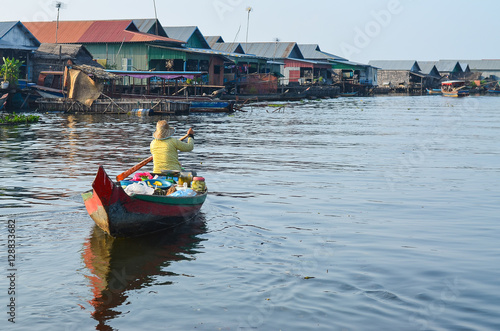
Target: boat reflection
{"type": "Point", "coordinates": [120, 265]}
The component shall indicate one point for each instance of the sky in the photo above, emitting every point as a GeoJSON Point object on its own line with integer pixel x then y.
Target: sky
{"type": "Point", "coordinates": [359, 30]}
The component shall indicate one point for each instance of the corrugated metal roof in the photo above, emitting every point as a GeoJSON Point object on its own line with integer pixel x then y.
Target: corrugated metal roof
{"type": "Point", "coordinates": [349, 63]}
{"type": "Point", "coordinates": [150, 25]}
{"type": "Point", "coordinates": [185, 33]}
{"type": "Point", "coordinates": [280, 50]}
{"type": "Point", "coordinates": [5, 45]}
{"type": "Point", "coordinates": [229, 47]}
{"type": "Point", "coordinates": [427, 66]}
{"type": "Point", "coordinates": [227, 55]}
{"type": "Point", "coordinates": [80, 32]}
{"type": "Point", "coordinates": [224, 53]}
{"type": "Point", "coordinates": [404, 65]}
{"type": "Point", "coordinates": [6, 27]}
{"type": "Point", "coordinates": [448, 66]}
{"type": "Point", "coordinates": [483, 65]}
{"type": "Point", "coordinates": [212, 40]}
{"type": "Point", "coordinates": [180, 32]}
{"type": "Point", "coordinates": [14, 42]}
{"type": "Point", "coordinates": [313, 52]}
{"type": "Point", "coordinates": [310, 51]}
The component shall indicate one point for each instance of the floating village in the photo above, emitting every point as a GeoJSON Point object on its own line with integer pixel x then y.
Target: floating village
{"type": "Point", "coordinates": [139, 65]}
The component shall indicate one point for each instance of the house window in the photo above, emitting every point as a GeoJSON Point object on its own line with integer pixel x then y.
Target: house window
{"type": "Point", "coordinates": [216, 70]}
{"type": "Point", "coordinates": [127, 64]}
{"type": "Point", "coordinates": [204, 64]}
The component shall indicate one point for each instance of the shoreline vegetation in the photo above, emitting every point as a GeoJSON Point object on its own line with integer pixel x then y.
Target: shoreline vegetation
{"type": "Point", "coordinates": [14, 119]}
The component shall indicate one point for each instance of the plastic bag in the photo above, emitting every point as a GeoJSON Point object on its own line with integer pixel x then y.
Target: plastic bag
{"type": "Point", "coordinates": [142, 176]}
{"type": "Point", "coordinates": [139, 188]}
{"type": "Point", "coordinates": [183, 193]}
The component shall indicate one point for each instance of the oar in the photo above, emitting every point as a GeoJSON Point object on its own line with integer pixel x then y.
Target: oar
{"type": "Point", "coordinates": [138, 166]}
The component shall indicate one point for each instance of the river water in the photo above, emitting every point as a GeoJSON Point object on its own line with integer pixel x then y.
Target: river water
{"type": "Point", "coordinates": [344, 214]}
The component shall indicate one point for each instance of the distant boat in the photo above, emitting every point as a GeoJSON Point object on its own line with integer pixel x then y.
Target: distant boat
{"type": "Point", "coordinates": [349, 94]}
{"type": "Point", "coordinates": [454, 88]}
{"type": "Point", "coordinates": [434, 91]}
{"type": "Point", "coordinates": [494, 91]}
{"type": "Point", "coordinates": [211, 106]}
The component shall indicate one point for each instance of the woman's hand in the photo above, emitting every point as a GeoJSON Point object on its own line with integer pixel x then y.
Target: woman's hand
{"type": "Point", "coordinates": [190, 131]}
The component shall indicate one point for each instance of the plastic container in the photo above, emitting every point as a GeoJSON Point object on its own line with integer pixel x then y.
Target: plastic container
{"type": "Point", "coordinates": [125, 183]}
{"type": "Point", "coordinates": [158, 183]}
{"type": "Point", "coordinates": [142, 112]}
{"type": "Point", "coordinates": [185, 177]}
{"type": "Point", "coordinates": [198, 184]}
{"type": "Point", "coordinates": [171, 175]}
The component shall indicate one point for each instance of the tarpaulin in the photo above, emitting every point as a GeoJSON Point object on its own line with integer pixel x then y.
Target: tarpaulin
{"type": "Point", "coordinates": [83, 88]}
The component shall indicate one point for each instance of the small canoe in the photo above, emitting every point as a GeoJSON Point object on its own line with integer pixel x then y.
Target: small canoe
{"type": "Point", "coordinates": [121, 215]}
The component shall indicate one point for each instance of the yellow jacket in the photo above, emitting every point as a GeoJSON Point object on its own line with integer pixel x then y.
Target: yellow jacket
{"type": "Point", "coordinates": [165, 155]}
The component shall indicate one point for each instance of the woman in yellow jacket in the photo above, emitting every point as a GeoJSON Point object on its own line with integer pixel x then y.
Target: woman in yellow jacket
{"type": "Point", "coordinates": [164, 147]}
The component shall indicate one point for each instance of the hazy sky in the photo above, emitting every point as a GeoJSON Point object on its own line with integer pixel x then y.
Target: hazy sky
{"type": "Point", "coordinates": [361, 30]}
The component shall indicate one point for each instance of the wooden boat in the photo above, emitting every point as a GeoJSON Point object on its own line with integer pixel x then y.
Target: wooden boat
{"type": "Point", "coordinates": [121, 215]}
{"type": "Point", "coordinates": [349, 94]}
{"type": "Point", "coordinates": [454, 88]}
{"type": "Point", "coordinates": [434, 91]}
{"type": "Point", "coordinates": [494, 92]}
{"type": "Point", "coordinates": [49, 84]}
{"type": "Point", "coordinates": [212, 106]}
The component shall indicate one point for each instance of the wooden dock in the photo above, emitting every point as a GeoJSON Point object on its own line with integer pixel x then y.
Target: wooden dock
{"type": "Point", "coordinates": [114, 106]}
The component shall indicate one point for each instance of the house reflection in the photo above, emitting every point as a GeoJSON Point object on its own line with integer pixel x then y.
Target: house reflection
{"type": "Point", "coordinates": [118, 266]}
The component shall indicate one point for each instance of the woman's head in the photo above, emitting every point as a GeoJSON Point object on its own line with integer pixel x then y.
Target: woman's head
{"type": "Point", "coordinates": [163, 130]}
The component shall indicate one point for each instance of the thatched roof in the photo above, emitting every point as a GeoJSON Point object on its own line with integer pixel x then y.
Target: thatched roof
{"type": "Point", "coordinates": [74, 52]}
{"type": "Point", "coordinates": [99, 73]}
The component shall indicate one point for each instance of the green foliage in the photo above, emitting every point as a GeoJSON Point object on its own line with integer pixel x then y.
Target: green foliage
{"type": "Point", "coordinates": [18, 119]}
{"type": "Point", "coordinates": [10, 70]}
{"type": "Point", "coordinates": [109, 66]}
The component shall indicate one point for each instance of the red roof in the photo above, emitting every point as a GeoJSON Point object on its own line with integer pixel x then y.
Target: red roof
{"type": "Point", "coordinates": [81, 32]}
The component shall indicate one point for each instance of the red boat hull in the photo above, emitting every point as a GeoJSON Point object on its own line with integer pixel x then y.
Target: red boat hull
{"type": "Point", "coordinates": [121, 215]}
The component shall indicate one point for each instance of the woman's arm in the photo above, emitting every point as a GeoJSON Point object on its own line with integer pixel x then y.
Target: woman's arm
{"type": "Point", "coordinates": [190, 133]}
{"type": "Point", "coordinates": [186, 147]}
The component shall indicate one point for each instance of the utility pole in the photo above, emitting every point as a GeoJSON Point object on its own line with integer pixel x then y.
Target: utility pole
{"type": "Point", "coordinates": [249, 9]}
{"type": "Point", "coordinates": [58, 7]}
{"type": "Point", "coordinates": [156, 17]}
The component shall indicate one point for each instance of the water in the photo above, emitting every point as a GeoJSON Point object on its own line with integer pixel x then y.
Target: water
{"type": "Point", "coordinates": [343, 214]}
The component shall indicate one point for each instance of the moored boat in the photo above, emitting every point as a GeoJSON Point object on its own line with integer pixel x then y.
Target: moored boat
{"type": "Point", "coordinates": [121, 215]}
{"type": "Point", "coordinates": [434, 91]}
{"type": "Point", "coordinates": [349, 94]}
{"type": "Point", "coordinates": [454, 88]}
{"type": "Point", "coordinates": [50, 84]}
{"type": "Point", "coordinates": [212, 106]}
